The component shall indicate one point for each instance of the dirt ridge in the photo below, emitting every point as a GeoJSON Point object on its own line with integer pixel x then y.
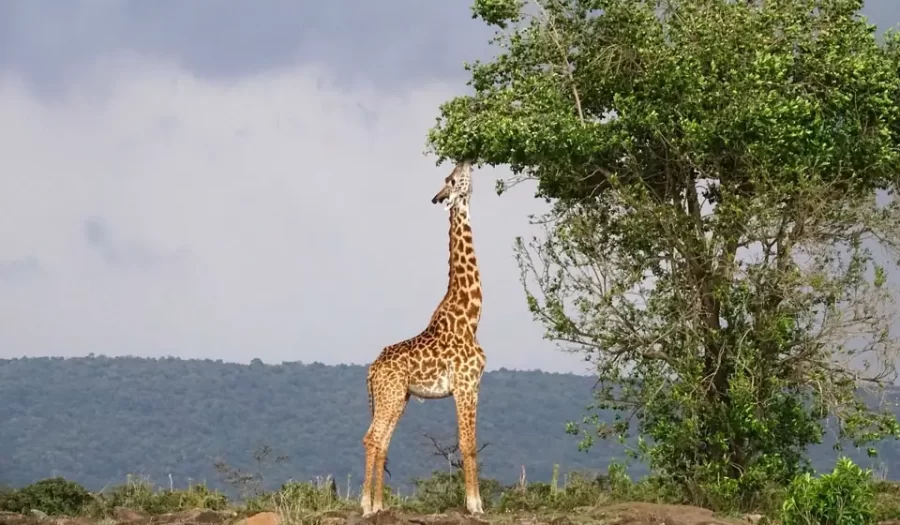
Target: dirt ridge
{"type": "Point", "coordinates": [618, 514]}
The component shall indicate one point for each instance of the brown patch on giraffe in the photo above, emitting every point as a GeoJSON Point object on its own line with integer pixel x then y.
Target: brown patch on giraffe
{"type": "Point", "coordinates": [473, 310]}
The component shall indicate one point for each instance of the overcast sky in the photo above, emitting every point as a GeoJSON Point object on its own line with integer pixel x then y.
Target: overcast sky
{"type": "Point", "coordinates": [239, 179]}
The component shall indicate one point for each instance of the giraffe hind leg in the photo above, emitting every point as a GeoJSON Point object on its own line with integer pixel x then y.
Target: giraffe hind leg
{"type": "Point", "coordinates": [389, 406]}
{"type": "Point", "coordinates": [366, 496]}
{"type": "Point", "coordinates": [371, 447]}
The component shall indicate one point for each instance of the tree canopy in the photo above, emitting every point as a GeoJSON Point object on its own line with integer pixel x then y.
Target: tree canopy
{"type": "Point", "coordinates": [722, 176]}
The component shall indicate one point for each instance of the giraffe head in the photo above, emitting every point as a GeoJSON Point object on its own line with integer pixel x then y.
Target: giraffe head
{"type": "Point", "coordinates": [457, 187]}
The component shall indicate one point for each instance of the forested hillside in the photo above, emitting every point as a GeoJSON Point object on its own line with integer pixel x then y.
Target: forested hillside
{"type": "Point", "coordinates": [95, 420]}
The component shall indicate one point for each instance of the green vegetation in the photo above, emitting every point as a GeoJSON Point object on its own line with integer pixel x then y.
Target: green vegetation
{"type": "Point", "coordinates": [439, 493]}
{"type": "Point", "coordinates": [141, 494]}
{"type": "Point", "coordinates": [96, 420]}
{"type": "Point", "coordinates": [54, 496]}
{"type": "Point", "coordinates": [847, 496]}
{"type": "Point", "coordinates": [721, 175]}
{"type": "Point", "coordinates": [60, 497]}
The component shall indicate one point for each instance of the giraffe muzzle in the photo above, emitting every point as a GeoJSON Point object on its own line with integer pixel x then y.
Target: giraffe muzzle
{"type": "Point", "coordinates": [441, 196]}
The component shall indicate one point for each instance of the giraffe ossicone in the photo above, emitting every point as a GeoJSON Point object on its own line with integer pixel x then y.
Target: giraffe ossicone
{"type": "Point", "coordinates": [443, 360]}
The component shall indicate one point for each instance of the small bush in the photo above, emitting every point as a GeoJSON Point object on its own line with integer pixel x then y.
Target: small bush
{"type": "Point", "coordinates": [887, 500]}
{"type": "Point", "coordinates": [577, 491]}
{"type": "Point", "coordinates": [140, 494]}
{"type": "Point", "coordinates": [296, 501]}
{"type": "Point", "coordinates": [846, 496]}
{"type": "Point", "coordinates": [53, 496]}
{"type": "Point", "coordinates": [5, 495]}
{"type": "Point", "coordinates": [446, 490]}
{"type": "Point", "coordinates": [309, 496]}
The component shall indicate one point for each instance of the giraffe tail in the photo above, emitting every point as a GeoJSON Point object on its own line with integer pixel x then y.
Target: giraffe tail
{"type": "Point", "coordinates": [371, 398]}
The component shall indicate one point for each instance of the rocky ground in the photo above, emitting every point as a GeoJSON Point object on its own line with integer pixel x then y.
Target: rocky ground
{"type": "Point", "coordinates": [620, 514]}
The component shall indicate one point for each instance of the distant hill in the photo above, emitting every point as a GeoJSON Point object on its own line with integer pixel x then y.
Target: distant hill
{"type": "Point", "coordinates": [96, 419]}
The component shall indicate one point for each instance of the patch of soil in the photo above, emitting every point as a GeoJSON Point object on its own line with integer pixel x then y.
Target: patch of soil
{"type": "Point", "coordinates": [619, 514]}
{"type": "Point", "coordinates": [655, 514]}
{"type": "Point", "coordinates": [127, 517]}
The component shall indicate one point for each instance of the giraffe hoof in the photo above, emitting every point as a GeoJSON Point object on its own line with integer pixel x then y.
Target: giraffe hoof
{"type": "Point", "coordinates": [474, 507]}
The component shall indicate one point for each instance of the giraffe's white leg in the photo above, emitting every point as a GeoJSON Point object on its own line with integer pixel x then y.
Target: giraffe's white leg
{"type": "Point", "coordinates": [466, 409]}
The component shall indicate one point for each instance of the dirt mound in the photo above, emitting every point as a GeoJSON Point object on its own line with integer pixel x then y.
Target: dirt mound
{"type": "Point", "coordinates": [620, 514]}
{"type": "Point", "coordinates": [653, 514]}
{"type": "Point", "coordinates": [126, 517]}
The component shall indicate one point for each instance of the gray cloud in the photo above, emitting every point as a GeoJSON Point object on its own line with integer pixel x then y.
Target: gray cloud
{"type": "Point", "coordinates": [393, 45]}
{"type": "Point", "coordinates": [14, 270]}
{"type": "Point", "coordinates": [125, 254]}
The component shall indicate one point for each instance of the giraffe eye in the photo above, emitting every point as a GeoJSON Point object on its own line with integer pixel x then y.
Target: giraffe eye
{"type": "Point", "coordinates": [453, 182]}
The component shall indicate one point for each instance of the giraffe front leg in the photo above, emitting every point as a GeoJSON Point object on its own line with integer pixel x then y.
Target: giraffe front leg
{"type": "Point", "coordinates": [466, 415]}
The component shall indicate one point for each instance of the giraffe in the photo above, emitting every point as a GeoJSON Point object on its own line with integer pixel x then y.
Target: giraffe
{"type": "Point", "coordinates": [444, 360]}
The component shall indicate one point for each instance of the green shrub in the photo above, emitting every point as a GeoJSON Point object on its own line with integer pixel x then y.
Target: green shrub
{"type": "Point", "coordinates": [296, 501]}
{"type": "Point", "coordinates": [577, 491]}
{"type": "Point", "coordinates": [5, 495]}
{"type": "Point", "coordinates": [311, 496]}
{"type": "Point", "coordinates": [53, 496]}
{"type": "Point", "coordinates": [887, 500]}
{"type": "Point", "coordinates": [140, 494]}
{"type": "Point", "coordinates": [846, 496]}
{"type": "Point", "coordinates": [446, 490]}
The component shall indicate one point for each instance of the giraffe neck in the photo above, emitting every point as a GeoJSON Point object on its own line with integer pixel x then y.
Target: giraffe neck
{"type": "Point", "coordinates": [463, 297]}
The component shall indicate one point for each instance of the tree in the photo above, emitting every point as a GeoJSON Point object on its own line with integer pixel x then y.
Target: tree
{"type": "Point", "coordinates": [450, 453]}
{"type": "Point", "coordinates": [251, 484]}
{"type": "Point", "coordinates": [721, 176]}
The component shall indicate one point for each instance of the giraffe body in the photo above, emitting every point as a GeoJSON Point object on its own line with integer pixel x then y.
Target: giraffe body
{"type": "Point", "coordinates": [443, 360]}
